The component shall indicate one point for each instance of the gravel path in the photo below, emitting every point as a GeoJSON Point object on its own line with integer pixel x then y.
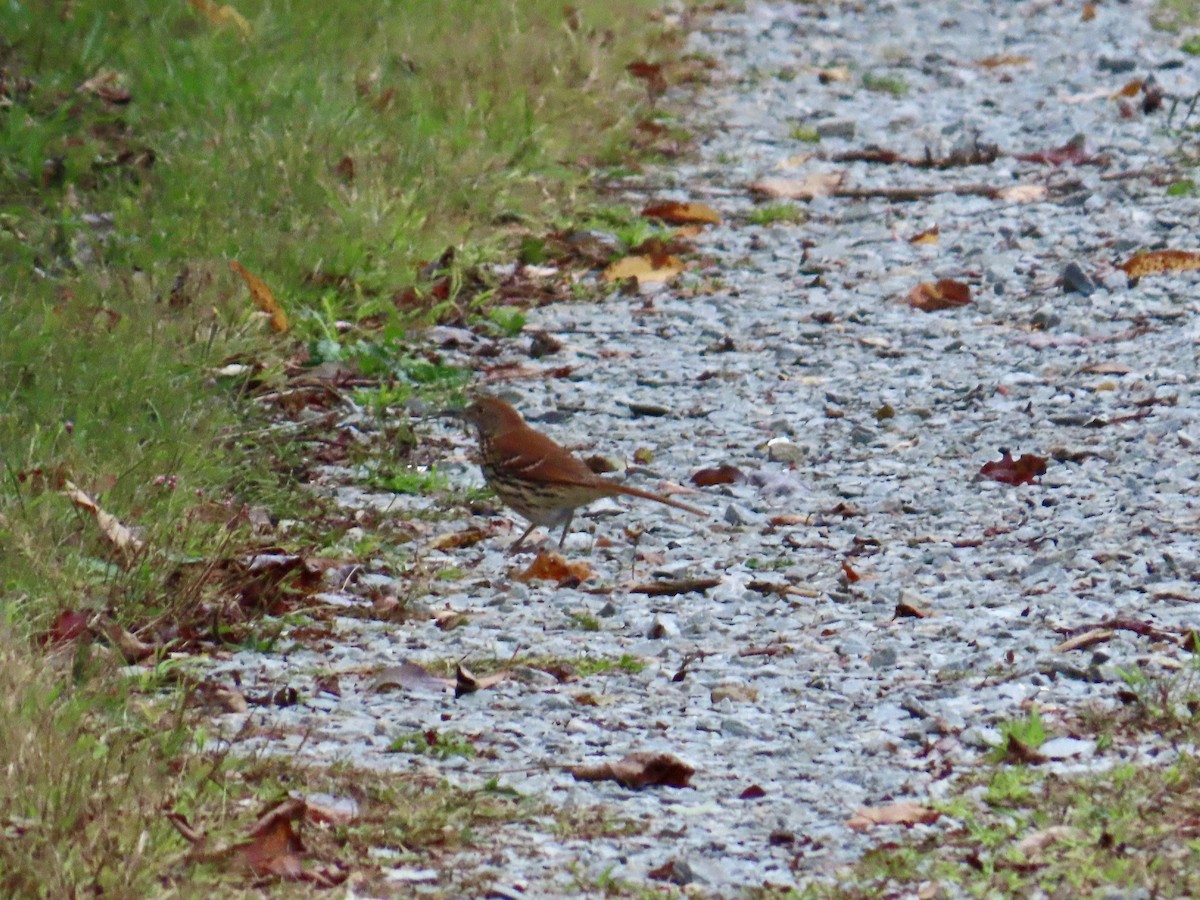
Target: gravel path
{"type": "Point", "coordinates": [861, 423]}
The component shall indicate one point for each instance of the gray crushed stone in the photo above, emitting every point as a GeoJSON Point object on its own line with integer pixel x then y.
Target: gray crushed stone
{"type": "Point", "coordinates": [799, 679]}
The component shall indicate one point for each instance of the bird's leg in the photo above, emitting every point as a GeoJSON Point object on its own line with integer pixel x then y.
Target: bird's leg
{"type": "Point", "coordinates": [566, 525]}
{"type": "Point", "coordinates": [519, 541]}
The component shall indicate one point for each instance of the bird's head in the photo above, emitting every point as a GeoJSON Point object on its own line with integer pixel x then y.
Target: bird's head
{"type": "Point", "coordinates": [491, 415]}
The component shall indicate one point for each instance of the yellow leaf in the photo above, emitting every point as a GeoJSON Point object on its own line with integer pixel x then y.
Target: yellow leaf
{"type": "Point", "coordinates": [646, 269]}
{"type": "Point", "coordinates": [221, 15]}
{"type": "Point", "coordinates": [928, 236]}
{"type": "Point", "coordinates": [674, 213]}
{"type": "Point", "coordinates": [262, 296]}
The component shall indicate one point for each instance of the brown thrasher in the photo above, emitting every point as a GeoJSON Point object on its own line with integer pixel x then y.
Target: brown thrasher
{"type": "Point", "coordinates": [541, 480]}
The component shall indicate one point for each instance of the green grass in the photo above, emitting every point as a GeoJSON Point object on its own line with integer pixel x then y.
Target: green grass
{"type": "Point", "coordinates": [885, 84]}
{"type": "Point", "coordinates": [777, 213]}
{"type": "Point", "coordinates": [330, 149]}
{"type": "Point", "coordinates": [1016, 829]}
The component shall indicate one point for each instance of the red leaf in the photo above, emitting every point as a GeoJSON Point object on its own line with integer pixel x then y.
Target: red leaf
{"type": "Point", "coordinates": [1024, 470]}
{"type": "Point", "coordinates": [720, 475]}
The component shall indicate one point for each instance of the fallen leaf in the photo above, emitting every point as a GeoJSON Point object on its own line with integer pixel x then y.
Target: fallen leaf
{"type": "Point", "coordinates": [908, 609]}
{"type": "Point", "coordinates": [220, 15]}
{"type": "Point", "coordinates": [128, 645]}
{"type": "Point", "coordinates": [1108, 367]}
{"type": "Point", "coordinates": [1017, 751]}
{"type": "Point", "coordinates": [467, 683]}
{"type": "Point", "coordinates": [328, 808]}
{"type": "Point", "coordinates": [411, 677]}
{"type": "Point", "coordinates": [1006, 59]}
{"type": "Point", "coordinates": [1038, 841]}
{"type": "Point", "coordinates": [851, 575]}
{"type": "Point", "coordinates": [725, 474]}
{"type": "Point", "coordinates": [752, 793]}
{"type": "Point", "coordinates": [1153, 262]}
{"type": "Point", "coordinates": [639, 770]}
{"type": "Point", "coordinates": [551, 566]}
{"type": "Point", "coordinates": [119, 535]}
{"type": "Point", "coordinates": [675, 213]}
{"type": "Point", "coordinates": [456, 540]}
{"type": "Point", "coordinates": [106, 84]}
{"type": "Point", "coordinates": [1088, 13]}
{"type": "Point", "coordinates": [928, 236]}
{"type": "Point", "coordinates": [1073, 152]}
{"type": "Point", "coordinates": [274, 847]}
{"type": "Point", "coordinates": [646, 269]}
{"type": "Point", "coordinates": [1023, 193]}
{"type": "Point", "coordinates": [832, 74]}
{"type": "Point", "coordinates": [904, 813]}
{"type": "Point", "coordinates": [651, 73]}
{"type": "Point", "coordinates": [262, 296]}
{"type": "Point", "coordinates": [69, 625]}
{"type": "Point", "coordinates": [1024, 470]}
{"type": "Point", "coordinates": [674, 586]}
{"type": "Point", "coordinates": [946, 293]}
{"type": "Point", "coordinates": [1131, 89]}
{"type": "Point", "coordinates": [789, 519]}
{"type": "Point", "coordinates": [817, 184]}
{"type": "Point", "coordinates": [1082, 641]}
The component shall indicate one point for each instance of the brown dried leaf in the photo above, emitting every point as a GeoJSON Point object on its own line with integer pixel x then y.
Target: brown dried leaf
{"type": "Point", "coordinates": [128, 645]}
{"type": "Point", "coordinates": [817, 184]}
{"type": "Point", "coordinates": [725, 474]}
{"type": "Point", "coordinates": [410, 677]}
{"type": "Point", "coordinates": [274, 847]}
{"type": "Point", "coordinates": [1131, 89]}
{"type": "Point", "coordinates": [928, 236]}
{"type": "Point", "coordinates": [1156, 261]}
{"type": "Point", "coordinates": [551, 566]}
{"type": "Point", "coordinates": [904, 813]}
{"type": "Point", "coordinates": [1088, 13]}
{"type": "Point", "coordinates": [465, 682]}
{"type": "Point", "coordinates": [1024, 470]}
{"type": "Point", "coordinates": [639, 770]}
{"type": "Point", "coordinates": [674, 586]}
{"type": "Point", "coordinates": [262, 296]}
{"type": "Point", "coordinates": [930, 296]}
{"type": "Point", "coordinates": [675, 213]}
{"type": "Point", "coordinates": [908, 609]}
{"type": "Point", "coordinates": [1082, 641]}
{"type": "Point", "coordinates": [119, 535]}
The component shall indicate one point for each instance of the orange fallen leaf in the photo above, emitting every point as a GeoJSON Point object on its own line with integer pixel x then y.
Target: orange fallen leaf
{"type": "Point", "coordinates": [1132, 89]}
{"type": "Point", "coordinates": [817, 184]}
{"type": "Point", "coordinates": [646, 269]}
{"type": "Point", "coordinates": [674, 213]}
{"type": "Point", "coordinates": [221, 15]}
{"type": "Point", "coordinates": [930, 296]}
{"type": "Point", "coordinates": [262, 296]}
{"type": "Point", "coordinates": [904, 813]}
{"type": "Point", "coordinates": [551, 566]}
{"type": "Point", "coordinates": [1156, 261]}
{"type": "Point", "coordinates": [1088, 13]}
{"type": "Point", "coordinates": [683, 232]}
{"type": "Point", "coordinates": [928, 236]}
{"type": "Point", "coordinates": [455, 540]}
{"type": "Point", "coordinates": [725, 474]}
{"type": "Point", "coordinates": [1024, 470]}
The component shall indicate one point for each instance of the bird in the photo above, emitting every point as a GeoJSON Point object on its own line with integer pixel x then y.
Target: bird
{"type": "Point", "coordinates": [539, 478]}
